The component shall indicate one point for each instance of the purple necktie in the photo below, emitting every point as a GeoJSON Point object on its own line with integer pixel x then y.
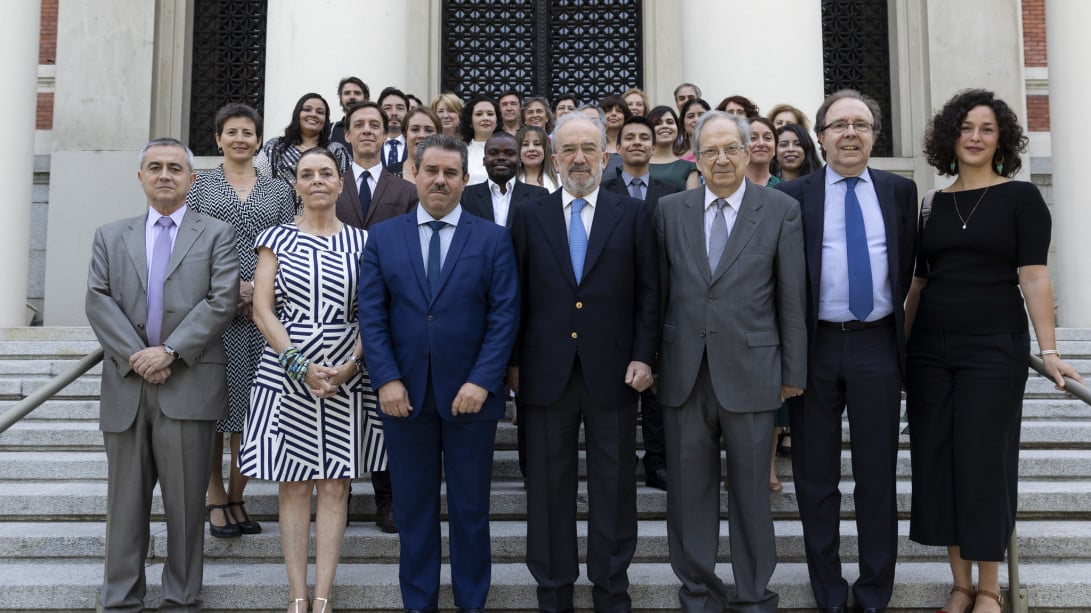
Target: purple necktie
{"type": "Point", "coordinates": [157, 273]}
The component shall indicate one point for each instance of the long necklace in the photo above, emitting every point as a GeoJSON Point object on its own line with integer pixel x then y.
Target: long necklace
{"type": "Point", "coordinates": [972, 211]}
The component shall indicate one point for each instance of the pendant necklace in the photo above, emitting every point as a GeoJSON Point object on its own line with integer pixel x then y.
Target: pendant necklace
{"type": "Point", "coordinates": [972, 211]}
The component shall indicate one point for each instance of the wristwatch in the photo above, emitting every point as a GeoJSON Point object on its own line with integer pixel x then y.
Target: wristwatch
{"type": "Point", "coordinates": [168, 349]}
{"type": "Point", "coordinates": [359, 362]}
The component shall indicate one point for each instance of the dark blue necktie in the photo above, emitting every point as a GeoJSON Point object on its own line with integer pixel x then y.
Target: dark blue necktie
{"type": "Point", "coordinates": [433, 257]}
{"type": "Point", "coordinates": [392, 155]}
{"type": "Point", "coordinates": [365, 195]}
{"type": "Point", "coordinates": [577, 238]}
{"type": "Point", "coordinates": [861, 300]}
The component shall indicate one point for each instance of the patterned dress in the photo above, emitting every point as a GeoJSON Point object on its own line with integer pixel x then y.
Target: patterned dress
{"type": "Point", "coordinates": [290, 434]}
{"type": "Point", "coordinates": [270, 203]}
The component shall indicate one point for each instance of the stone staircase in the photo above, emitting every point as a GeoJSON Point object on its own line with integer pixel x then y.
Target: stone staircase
{"type": "Point", "coordinates": [53, 491]}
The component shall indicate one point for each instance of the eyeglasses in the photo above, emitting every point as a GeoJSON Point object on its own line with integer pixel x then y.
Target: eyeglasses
{"type": "Point", "coordinates": [839, 127]}
{"type": "Point", "coordinates": [712, 154]}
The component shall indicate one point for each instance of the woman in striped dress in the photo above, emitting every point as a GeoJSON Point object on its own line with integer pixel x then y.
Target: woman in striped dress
{"type": "Point", "coordinates": [313, 424]}
{"type": "Point", "coordinates": [234, 192]}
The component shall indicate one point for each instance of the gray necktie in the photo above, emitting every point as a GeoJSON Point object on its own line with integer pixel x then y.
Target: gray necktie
{"type": "Point", "coordinates": [636, 188]}
{"type": "Point", "coordinates": [718, 241]}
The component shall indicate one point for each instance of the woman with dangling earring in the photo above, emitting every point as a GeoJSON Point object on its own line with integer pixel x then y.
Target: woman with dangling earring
{"type": "Point", "coordinates": [981, 268]}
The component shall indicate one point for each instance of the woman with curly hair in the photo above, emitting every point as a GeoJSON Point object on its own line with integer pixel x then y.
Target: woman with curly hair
{"type": "Point", "coordinates": [982, 260]}
{"type": "Point", "coordinates": [636, 100]}
{"type": "Point", "coordinates": [480, 118]}
{"type": "Point", "coordinates": [740, 106]}
{"type": "Point", "coordinates": [309, 128]}
{"type": "Point", "coordinates": [536, 113]}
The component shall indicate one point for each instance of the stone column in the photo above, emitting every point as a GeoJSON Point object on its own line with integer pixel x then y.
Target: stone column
{"type": "Point", "coordinates": [1068, 48]}
{"type": "Point", "coordinates": [19, 72]}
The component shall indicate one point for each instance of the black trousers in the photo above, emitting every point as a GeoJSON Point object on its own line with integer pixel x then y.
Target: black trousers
{"type": "Point", "coordinates": [651, 425]}
{"type": "Point", "coordinates": [857, 370]}
{"type": "Point", "coordinates": [965, 404]}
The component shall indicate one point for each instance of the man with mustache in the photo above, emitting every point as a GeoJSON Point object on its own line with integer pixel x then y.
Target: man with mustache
{"type": "Point", "coordinates": [587, 339]}
{"type": "Point", "coordinates": [439, 306]}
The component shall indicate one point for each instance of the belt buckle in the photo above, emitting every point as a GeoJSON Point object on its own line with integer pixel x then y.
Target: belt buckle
{"type": "Point", "coordinates": [852, 325]}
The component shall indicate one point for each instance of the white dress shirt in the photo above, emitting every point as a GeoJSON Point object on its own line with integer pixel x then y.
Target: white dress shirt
{"type": "Point", "coordinates": [373, 175]}
{"type": "Point", "coordinates": [731, 212]}
{"type": "Point", "coordinates": [501, 201]}
{"type": "Point", "coordinates": [587, 214]}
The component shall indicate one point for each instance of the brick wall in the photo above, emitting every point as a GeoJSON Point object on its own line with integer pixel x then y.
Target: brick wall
{"type": "Point", "coordinates": [47, 54]}
{"type": "Point", "coordinates": [1034, 55]}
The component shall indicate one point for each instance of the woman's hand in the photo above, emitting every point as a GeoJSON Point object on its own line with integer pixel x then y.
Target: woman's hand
{"type": "Point", "coordinates": [319, 380]}
{"type": "Point", "coordinates": [344, 372]}
{"type": "Point", "coordinates": [244, 307]}
{"type": "Point", "coordinates": [1058, 369]}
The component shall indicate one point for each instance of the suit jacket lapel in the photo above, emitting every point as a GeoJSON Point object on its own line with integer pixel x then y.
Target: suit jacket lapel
{"type": "Point", "coordinates": [813, 211]}
{"type": "Point", "coordinates": [137, 245]}
{"type": "Point", "coordinates": [412, 244]}
{"type": "Point", "coordinates": [350, 201]}
{"type": "Point", "coordinates": [884, 191]}
{"type": "Point", "coordinates": [381, 183]}
{"type": "Point", "coordinates": [607, 213]}
{"type": "Point", "coordinates": [458, 241]}
{"type": "Point", "coordinates": [551, 216]}
{"type": "Point", "coordinates": [746, 222]}
{"type": "Point", "coordinates": [693, 230]}
{"type": "Point", "coordinates": [192, 227]}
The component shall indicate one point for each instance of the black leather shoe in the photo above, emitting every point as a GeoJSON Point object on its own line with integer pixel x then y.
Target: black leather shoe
{"type": "Point", "coordinates": [841, 609]}
{"type": "Point", "coordinates": [229, 530]}
{"type": "Point", "coordinates": [471, 610]}
{"type": "Point", "coordinates": [869, 610]}
{"type": "Point", "coordinates": [657, 479]}
{"type": "Point", "coordinates": [384, 517]}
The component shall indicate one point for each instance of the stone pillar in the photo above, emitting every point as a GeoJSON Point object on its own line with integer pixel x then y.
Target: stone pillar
{"type": "Point", "coordinates": [1069, 89]}
{"type": "Point", "coordinates": [19, 72]}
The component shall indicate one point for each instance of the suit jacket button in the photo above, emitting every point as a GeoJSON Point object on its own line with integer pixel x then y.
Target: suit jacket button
{"type": "Point", "coordinates": [710, 299]}
{"type": "Point", "coordinates": [430, 318]}
{"type": "Point", "coordinates": [141, 326]}
{"type": "Point", "coordinates": [579, 305]}
{"type": "Point", "coordinates": [702, 333]}
{"type": "Point", "coordinates": [574, 335]}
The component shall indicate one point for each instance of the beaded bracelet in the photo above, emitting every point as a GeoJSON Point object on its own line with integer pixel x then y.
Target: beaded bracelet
{"type": "Point", "coordinates": [287, 356]}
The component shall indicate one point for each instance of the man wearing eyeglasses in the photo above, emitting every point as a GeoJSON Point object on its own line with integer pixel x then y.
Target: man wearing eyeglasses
{"type": "Point", "coordinates": [859, 231]}
{"type": "Point", "coordinates": [733, 349]}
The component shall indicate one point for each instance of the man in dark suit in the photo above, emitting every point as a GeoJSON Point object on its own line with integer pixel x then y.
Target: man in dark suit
{"type": "Point", "coordinates": [439, 308]}
{"type": "Point", "coordinates": [494, 199]}
{"type": "Point", "coordinates": [584, 353]}
{"type": "Point", "coordinates": [161, 290]}
{"type": "Point", "coordinates": [373, 195]}
{"type": "Point", "coordinates": [734, 347]}
{"type": "Point", "coordinates": [636, 144]}
{"type": "Point", "coordinates": [395, 104]}
{"type": "Point", "coordinates": [859, 232]}
{"type": "Point", "coordinates": [350, 91]}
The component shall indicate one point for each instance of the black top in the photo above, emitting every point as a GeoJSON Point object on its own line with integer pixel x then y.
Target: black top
{"type": "Point", "coordinates": [973, 280]}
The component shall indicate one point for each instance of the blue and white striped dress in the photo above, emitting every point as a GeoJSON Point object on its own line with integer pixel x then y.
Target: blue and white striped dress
{"type": "Point", "coordinates": [290, 434]}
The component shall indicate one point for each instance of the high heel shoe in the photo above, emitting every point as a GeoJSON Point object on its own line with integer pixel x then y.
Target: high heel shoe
{"type": "Point", "coordinates": [229, 530]}
{"type": "Point", "coordinates": [247, 525]}
{"type": "Point", "coordinates": [968, 592]}
{"type": "Point", "coordinates": [325, 603]}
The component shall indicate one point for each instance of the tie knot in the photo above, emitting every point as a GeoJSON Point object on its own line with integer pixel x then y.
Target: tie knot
{"type": "Point", "coordinates": [719, 203]}
{"type": "Point", "coordinates": [393, 142]}
{"type": "Point", "coordinates": [578, 204]}
{"type": "Point", "coordinates": [637, 182]}
{"type": "Point", "coordinates": [437, 225]}
{"type": "Point", "coordinates": [165, 222]}
{"type": "Point", "coordinates": [850, 182]}
{"type": "Point", "coordinates": [365, 175]}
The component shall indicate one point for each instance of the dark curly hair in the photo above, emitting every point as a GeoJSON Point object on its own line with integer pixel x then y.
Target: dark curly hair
{"type": "Point", "coordinates": [749, 107]}
{"type": "Point", "coordinates": [946, 127]}
{"type": "Point", "coordinates": [293, 134]}
{"type": "Point", "coordinates": [466, 121]}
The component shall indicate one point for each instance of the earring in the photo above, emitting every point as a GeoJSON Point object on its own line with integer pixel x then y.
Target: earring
{"type": "Point", "coordinates": [953, 166]}
{"type": "Point", "coordinates": [1000, 166]}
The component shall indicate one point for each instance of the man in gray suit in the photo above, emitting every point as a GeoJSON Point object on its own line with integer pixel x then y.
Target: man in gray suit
{"type": "Point", "coordinates": [162, 288]}
{"type": "Point", "coordinates": [733, 348]}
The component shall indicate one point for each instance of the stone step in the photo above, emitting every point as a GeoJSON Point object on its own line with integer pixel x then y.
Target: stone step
{"type": "Point", "coordinates": [230, 586]}
{"type": "Point", "coordinates": [365, 543]}
{"type": "Point", "coordinates": [73, 465]}
{"type": "Point", "coordinates": [21, 386]}
{"type": "Point", "coordinates": [85, 435]}
{"type": "Point", "coordinates": [86, 500]}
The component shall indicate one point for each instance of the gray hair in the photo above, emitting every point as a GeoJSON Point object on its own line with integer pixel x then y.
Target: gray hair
{"type": "Point", "coordinates": [593, 107]}
{"type": "Point", "coordinates": [872, 106]}
{"type": "Point", "coordinates": [741, 122]}
{"type": "Point", "coordinates": [575, 116]}
{"type": "Point", "coordinates": [696, 89]}
{"type": "Point", "coordinates": [446, 143]}
{"type": "Point", "coordinates": [167, 142]}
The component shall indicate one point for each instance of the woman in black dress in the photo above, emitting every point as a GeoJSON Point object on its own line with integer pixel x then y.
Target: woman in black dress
{"type": "Point", "coordinates": [982, 258]}
{"type": "Point", "coordinates": [234, 192]}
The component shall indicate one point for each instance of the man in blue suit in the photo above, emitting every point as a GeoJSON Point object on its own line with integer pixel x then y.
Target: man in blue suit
{"type": "Point", "coordinates": [439, 308]}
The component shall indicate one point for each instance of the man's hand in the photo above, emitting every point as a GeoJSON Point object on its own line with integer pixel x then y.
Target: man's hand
{"type": "Point", "coordinates": [513, 379]}
{"type": "Point", "coordinates": [639, 376]}
{"type": "Point", "coordinates": [158, 377]}
{"type": "Point", "coordinates": [469, 399]}
{"type": "Point", "coordinates": [789, 391]}
{"type": "Point", "coordinates": [394, 399]}
{"type": "Point", "coordinates": [244, 307]}
{"type": "Point", "coordinates": [149, 360]}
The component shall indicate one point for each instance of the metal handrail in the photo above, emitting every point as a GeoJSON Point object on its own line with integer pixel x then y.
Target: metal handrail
{"type": "Point", "coordinates": [50, 389]}
{"type": "Point", "coordinates": [1017, 597]}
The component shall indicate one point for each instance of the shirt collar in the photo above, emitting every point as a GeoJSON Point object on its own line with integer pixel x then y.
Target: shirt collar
{"type": "Point", "coordinates": [154, 215]}
{"type": "Point", "coordinates": [358, 170]}
{"type": "Point", "coordinates": [494, 187]}
{"type": "Point", "coordinates": [627, 178]}
{"type": "Point", "coordinates": [567, 198]}
{"type": "Point", "coordinates": [451, 218]}
{"type": "Point", "coordinates": [734, 200]}
{"type": "Point", "coordinates": [832, 176]}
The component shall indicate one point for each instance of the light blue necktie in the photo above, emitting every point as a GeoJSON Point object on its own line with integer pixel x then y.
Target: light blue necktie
{"type": "Point", "coordinates": [157, 274]}
{"type": "Point", "coordinates": [861, 300]}
{"type": "Point", "coordinates": [577, 238]}
{"type": "Point", "coordinates": [636, 188]}
{"type": "Point", "coordinates": [433, 257]}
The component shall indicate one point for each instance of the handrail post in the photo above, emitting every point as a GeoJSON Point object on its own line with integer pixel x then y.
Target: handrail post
{"type": "Point", "coordinates": [1017, 596]}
